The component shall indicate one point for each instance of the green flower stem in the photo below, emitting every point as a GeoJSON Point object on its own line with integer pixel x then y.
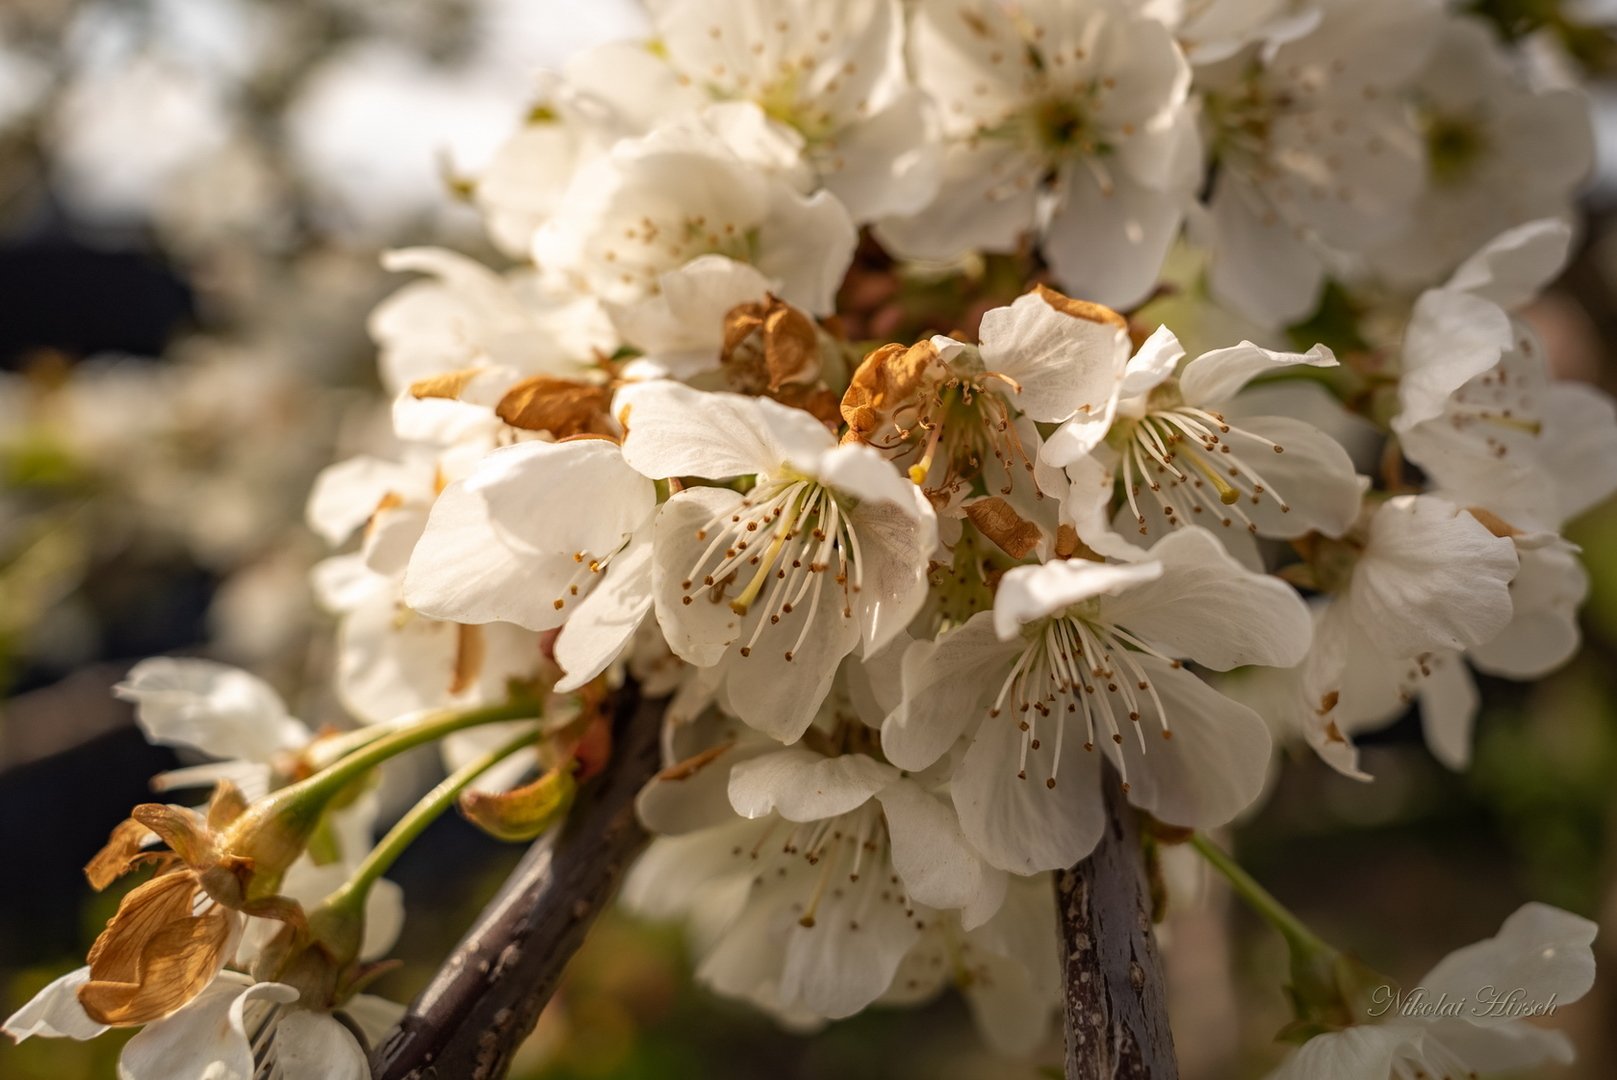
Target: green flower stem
{"type": "Point", "coordinates": [338, 775]}
{"type": "Point", "coordinates": [1276, 914]}
{"type": "Point", "coordinates": [351, 894]}
{"type": "Point", "coordinates": [277, 829]}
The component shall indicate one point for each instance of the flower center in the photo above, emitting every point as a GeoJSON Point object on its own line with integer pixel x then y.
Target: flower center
{"type": "Point", "coordinates": [1076, 667]}
{"type": "Point", "coordinates": [1455, 144]}
{"type": "Point", "coordinates": [775, 548]}
{"type": "Point", "coordinates": [837, 867]}
{"type": "Point", "coordinates": [962, 426]}
{"type": "Point", "coordinates": [1182, 458]}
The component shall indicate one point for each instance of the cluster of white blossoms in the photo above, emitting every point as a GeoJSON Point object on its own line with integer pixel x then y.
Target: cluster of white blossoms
{"type": "Point", "coordinates": [912, 582]}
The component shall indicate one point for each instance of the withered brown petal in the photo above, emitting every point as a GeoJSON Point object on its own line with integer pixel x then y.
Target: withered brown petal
{"type": "Point", "coordinates": [997, 520]}
{"type": "Point", "coordinates": [791, 346]}
{"type": "Point", "coordinates": [173, 965]}
{"type": "Point", "coordinates": [181, 828]}
{"type": "Point", "coordinates": [886, 380]}
{"type": "Point", "coordinates": [141, 914]}
{"type": "Point", "coordinates": [120, 852]}
{"type": "Point", "coordinates": [559, 406]}
{"type": "Point", "coordinates": [226, 805]}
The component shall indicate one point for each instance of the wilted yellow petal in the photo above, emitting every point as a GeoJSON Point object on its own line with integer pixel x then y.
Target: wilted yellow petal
{"type": "Point", "coordinates": [525, 812]}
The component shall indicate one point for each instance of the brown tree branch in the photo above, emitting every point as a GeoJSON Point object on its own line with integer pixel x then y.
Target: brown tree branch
{"type": "Point", "coordinates": [469, 1021]}
{"type": "Point", "coordinates": [1116, 1022]}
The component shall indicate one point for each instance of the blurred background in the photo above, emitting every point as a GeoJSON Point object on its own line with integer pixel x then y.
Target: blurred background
{"type": "Point", "coordinates": [193, 197]}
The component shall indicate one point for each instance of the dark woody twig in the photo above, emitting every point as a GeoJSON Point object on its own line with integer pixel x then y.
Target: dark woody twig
{"type": "Point", "coordinates": [469, 1021]}
{"type": "Point", "coordinates": [1115, 1001]}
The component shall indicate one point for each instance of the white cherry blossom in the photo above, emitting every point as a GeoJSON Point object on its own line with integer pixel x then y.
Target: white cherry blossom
{"type": "Point", "coordinates": [831, 73]}
{"type": "Point", "coordinates": [1067, 119]}
{"type": "Point", "coordinates": [824, 552]}
{"type": "Point", "coordinates": [497, 548]}
{"type": "Point", "coordinates": [1315, 153]}
{"type": "Point", "coordinates": [1541, 955]}
{"type": "Point", "coordinates": [657, 202]}
{"type": "Point", "coordinates": [1499, 152]}
{"type": "Point", "coordinates": [1077, 656]}
{"type": "Point", "coordinates": [812, 898]}
{"type": "Point", "coordinates": [1418, 581]}
{"type": "Point", "coordinates": [1187, 453]}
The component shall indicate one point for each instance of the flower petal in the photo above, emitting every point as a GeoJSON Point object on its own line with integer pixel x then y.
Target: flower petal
{"type": "Point", "coordinates": [1215, 377]}
{"type": "Point", "coordinates": [1432, 577]}
{"type": "Point", "coordinates": [1207, 607]}
{"type": "Point", "coordinates": [1212, 768]}
{"type": "Point", "coordinates": [676, 431]}
{"type": "Point", "coordinates": [1021, 824]}
{"type": "Point", "coordinates": [1067, 356]}
{"type": "Point", "coordinates": [55, 1012]}
{"type": "Point", "coordinates": [933, 858]}
{"type": "Point", "coordinates": [802, 785]}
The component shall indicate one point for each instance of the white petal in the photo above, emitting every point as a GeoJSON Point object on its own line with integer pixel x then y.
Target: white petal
{"type": "Point", "coordinates": [55, 1012]}
{"type": "Point", "coordinates": [1068, 360]}
{"type": "Point", "coordinates": [1029, 593]}
{"type": "Point", "coordinates": [933, 858]}
{"type": "Point", "coordinates": [1212, 768]}
{"type": "Point", "coordinates": [1215, 377]}
{"type": "Point", "coordinates": [686, 800]}
{"type": "Point", "coordinates": [346, 494]}
{"type": "Point", "coordinates": [1543, 633]}
{"type": "Point", "coordinates": [1452, 338]}
{"type": "Point", "coordinates": [1260, 268]}
{"type": "Point", "coordinates": [1448, 707]}
{"type": "Point", "coordinates": [890, 166]}
{"type": "Point", "coordinates": [1206, 606]}
{"type": "Point", "coordinates": [223, 711]}
{"type": "Point", "coordinates": [947, 685]}
{"type": "Point", "coordinates": [1023, 825]}
{"type": "Point", "coordinates": [699, 632]}
{"type": "Point", "coordinates": [987, 199]}
{"type": "Point", "coordinates": [309, 1044]}
{"type": "Point", "coordinates": [677, 431]}
{"type": "Point", "coordinates": [894, 542]}
{"type": "Point", "coordinates": [604, 622]}
{"type": "Point", "coordinates": [205, 1039]}
{"type": "Point", "coordinates": [463, 570]}
{"type": "Point", "coordinates": [1579, 449]}
{"type": "Point", "coordinates": [1503, 1048]}
{"type": "Point", "coordinates": [802, 785]}
{"type": "Point", "coordinates": [681, 328]}
{"type": "Point", "coordinates": [375, 1016]}
{"type": "Point", "coordinates": [1540, 950]}
{"type": "Point", "coordinates": [834, 969]}
{"type": "Point", "coordinates": [1152, 363]}
{"type": "Point", "coordinates": [1109, 243]}
{"type": "Point", "coordinates": [807, 245]}
{"type": "Point", "coordinates": [781, 697]}
{"type": "Point", "coordinates": [1515, 265]}
{"type": "Point", "coordinates": [1354, 1053]}
{"type": "Point", "coordinates": [1314, 475]}
{"type": "Point", "coordinates": [1432, 577]}
{"type": "Point", "coordinates": [384, 919]}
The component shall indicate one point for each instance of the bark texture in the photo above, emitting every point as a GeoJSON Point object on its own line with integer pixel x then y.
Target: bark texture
{"type": "Point", "coordinates": [469, 1021]}
{"type": "Point", "coordinates": [1116, 1023]}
